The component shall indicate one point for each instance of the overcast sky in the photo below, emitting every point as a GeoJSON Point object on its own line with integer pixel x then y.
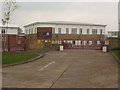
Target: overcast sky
{"type": "Point", "coordinates": [84, 12]}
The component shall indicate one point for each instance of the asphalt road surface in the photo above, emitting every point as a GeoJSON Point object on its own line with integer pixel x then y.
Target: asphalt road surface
{"type": "Point", "coordinates": [67, 69]}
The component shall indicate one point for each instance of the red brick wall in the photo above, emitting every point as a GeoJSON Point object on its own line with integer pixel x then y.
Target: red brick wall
{"type": "Point", "coordinates": [4, 41]}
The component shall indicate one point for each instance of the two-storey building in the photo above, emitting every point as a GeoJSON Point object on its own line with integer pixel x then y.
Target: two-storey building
{"type": "Point", "coordinates": [77, 35]}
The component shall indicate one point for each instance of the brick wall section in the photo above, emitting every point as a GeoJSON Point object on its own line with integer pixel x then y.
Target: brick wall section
{"type": "Point", "coordinates": [76, 36]}
{"type": "Point", "coordinates": [50, 46]}
{"type": "Point", "coordinates": [31, 42]}
{"type": "Point", "coordinates": [114, 43]}
{"type": "Point", "coordinates": [4, 41]}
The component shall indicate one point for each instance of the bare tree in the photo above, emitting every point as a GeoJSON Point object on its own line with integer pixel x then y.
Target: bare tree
{"type": "Point", "coordinates": [8, 7]}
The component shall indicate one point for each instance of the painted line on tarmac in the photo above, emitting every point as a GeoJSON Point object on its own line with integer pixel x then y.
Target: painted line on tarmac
{"type": "Point", "coordinates": [46, 66]}
{"type": "Point", "coordinates": [53, 82]}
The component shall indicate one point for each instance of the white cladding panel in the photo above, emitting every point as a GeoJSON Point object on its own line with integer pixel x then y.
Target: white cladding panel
{"type": "Point", "coordinates": [9, 30]}
{"type": "Point", "coordinates": [63, 28]}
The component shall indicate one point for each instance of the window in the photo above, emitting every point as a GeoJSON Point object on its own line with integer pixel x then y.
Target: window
{"type": "Point", "coordinates": [53, 30]}
{"type": "Point", "coordinates": [94, 31]}
{"type": "Point", "coordinates": [59, 30]}
{"type": "Point", "coordinates": [74, 30]}
{"type": "Point", "coordinates": [88, 31]}
{"type": "Point", "coordinates": [67, 30]}
{"type": "Point", "coordinates": [101, 31]}
{"type": "Point", "coordinates": [80, 31]}
{"type": "Point", "coordinates": [3, 31]}
{"type": "Point", "coordinates": [26, 31]}
{"type": "Point", "coordinates": [29, 31]}
{"type": "Point", "coordinates": [114, 33]}
{"type": "Point", "coordinates": [35, 30]}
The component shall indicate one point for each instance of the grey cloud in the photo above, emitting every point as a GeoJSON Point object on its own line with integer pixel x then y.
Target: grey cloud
{"type": "Point", "coordinates": [93, 12]}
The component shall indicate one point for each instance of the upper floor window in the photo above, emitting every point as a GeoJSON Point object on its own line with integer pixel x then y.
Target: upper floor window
{"type": "Point", "coordinates": [29, 31]}
{"type": "Point", "coordinates": [59, 30]}
{"type": "Point", "coordinates": [35, 30]}
{"type": "Point", "coordinates": [88, 31]}
{"type": "Point", "coordinates": [114, 33]}
{"type": "Point", "coordinates": [80, 31]}
{"type": "Point", "coordinates": [94, 31]}
{"type": "Point", "coordinates": [74, 30]}
{"type": "Point", "coordinates": [101, 31]}
{"type": "Point", "coordinates": [67, 30]}
{"type": "Point", "coordinates": [26, 31]}
{"type": "Point", "coordinates": [3, 31]}
{"type": "Point", "coordinates": [53, 30]}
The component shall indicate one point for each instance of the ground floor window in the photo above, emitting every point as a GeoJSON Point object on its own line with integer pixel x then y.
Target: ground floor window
{"type": "Point", "coordinates": [82, 42]}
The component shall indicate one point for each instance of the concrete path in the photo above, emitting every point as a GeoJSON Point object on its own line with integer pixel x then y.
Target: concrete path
{"type": "Point", "coordinates": [67, 69]}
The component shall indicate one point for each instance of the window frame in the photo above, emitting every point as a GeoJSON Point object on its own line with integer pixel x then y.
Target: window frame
{"type": "Point", "coordinates": [80, 31]}
{"type": "Point", "coordinates": [3, 31]}
{"type": "Point", "coordinates": [94, 31]}
{"type": "Point", "coordinates": [59, 30]}
{"type": "Point", "coordinates": [74, 31]}
{"type": "Point", "coordinates": [26, 31]}
{"type": "Point", "coordinates": [53, 30]}
{"type": "Point", "coordinates": [67, 30]}
{"type": "Point", "coordinates": [88, 31]}
{"type": "Point", "coordinates": [101, 31]}
{"type": "Point", "coordinates": [29, 31]}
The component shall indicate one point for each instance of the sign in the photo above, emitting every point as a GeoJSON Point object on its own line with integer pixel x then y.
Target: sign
{"type": "Point", "coordinates": [44, 32]}
{"type": "Point", "coordinates": [59, 42]}
{"type": "Point", "coordinates": [53, 41]}
{"type": "Point", "coordinates": [39, 41]}
{"type": "Point", "coordinates": [49, 40]}
{"type": "Point", "coordinates": [56, 41]}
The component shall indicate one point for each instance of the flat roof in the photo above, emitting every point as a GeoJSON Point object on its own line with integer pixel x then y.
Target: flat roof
{"type": "Point", "coordinates": [113, 31]}
{"type": "Point", "coordinates": [64, 23]}
{"type": "Point", "coordinates": [9, 26]}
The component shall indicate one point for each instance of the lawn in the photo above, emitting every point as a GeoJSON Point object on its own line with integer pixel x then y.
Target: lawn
{"type": "Point", "coordinates": [15, 57]}
{"type": "Point", "coordinates": [117, 53]}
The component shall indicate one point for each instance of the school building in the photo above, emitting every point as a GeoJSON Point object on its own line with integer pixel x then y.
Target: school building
{"type": "Point", "coordinates": [71, 35]}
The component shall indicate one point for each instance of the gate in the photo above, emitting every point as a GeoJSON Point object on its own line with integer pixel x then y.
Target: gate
{"type": "Point", "coordinates": [16, 43]}
{"type": "Point", "coordinates": [83, 44]}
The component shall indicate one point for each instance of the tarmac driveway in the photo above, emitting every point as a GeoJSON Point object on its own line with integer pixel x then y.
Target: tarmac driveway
{"type": "Point", "coordinates": [67, 69]}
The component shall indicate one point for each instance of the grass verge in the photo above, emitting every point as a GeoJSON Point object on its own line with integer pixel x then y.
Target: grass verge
{"type": "Point", "coordinates": [16, 57]}
{"type": "Point", "coordinates": [117, 53]}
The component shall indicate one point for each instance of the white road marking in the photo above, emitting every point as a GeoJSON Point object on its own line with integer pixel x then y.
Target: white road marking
{"type": "Point", "coordinates": [43, 68]}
